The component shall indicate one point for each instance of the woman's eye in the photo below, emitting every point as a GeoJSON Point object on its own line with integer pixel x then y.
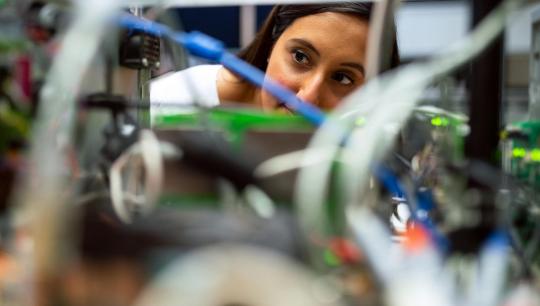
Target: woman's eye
{"type": "Point", "coordinates": [300, 57]}
{"type": "Point", "coordinates": [343, 79]}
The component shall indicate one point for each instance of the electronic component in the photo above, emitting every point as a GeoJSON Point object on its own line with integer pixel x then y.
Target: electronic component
{"type": "Point", "coordinates": [139, 50]}
{"type": "Point", "coordinates": [521, 151]}
{"type": "Point", "coordinates": [250, 135]}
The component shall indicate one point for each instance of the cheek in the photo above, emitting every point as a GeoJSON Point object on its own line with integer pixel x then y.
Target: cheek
{"type": "Point", "coordinates": [335, 97]}
{"type": "Point", "coordinates": [286, 81]}
{"type": "Point", "coordinates": [329, 103]}
{"type": "Point", "coordinates": [281, 70]}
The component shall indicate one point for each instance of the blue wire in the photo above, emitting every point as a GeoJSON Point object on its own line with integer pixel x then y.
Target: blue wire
{"type": "Point", "coordinates": [389, 181]}
{"type": "Point", "coordinates": [133, 23]}
{"type": "Point", "coordinates": [425, 203]}
{"type": "Point", "coordinates": [499, 239]}
{"type": "Point", "coordinates": [424, 199]}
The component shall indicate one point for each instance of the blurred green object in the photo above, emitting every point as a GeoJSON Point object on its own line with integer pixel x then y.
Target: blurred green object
{"type": "Point", "coordinates": [521, 151]}
{"type": "Point", "coordinates": [251, 133]}
{"type": "Point", "coordinates": [235, 122]}
{"type": "Point", "coordinates": [7, 46]}
{"type": "Point", "coordinates": [448, 131]}
{"type": "Point", "coordinates": [254, 135]}
{"type": "Point", "coordinates": [520, 148]}
{"type": "Point", "coordinates": [14, 128]}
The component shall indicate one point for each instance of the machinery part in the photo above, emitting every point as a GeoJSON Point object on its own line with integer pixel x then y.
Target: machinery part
{"type": "Point", "coordinates": [136, 192]}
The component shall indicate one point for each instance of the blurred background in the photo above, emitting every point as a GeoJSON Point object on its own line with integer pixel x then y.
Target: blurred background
{"type": "Point", "coordinates": [421, 188]}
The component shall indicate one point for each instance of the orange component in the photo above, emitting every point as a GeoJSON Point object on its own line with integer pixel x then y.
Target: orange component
{"type": "Point", "coordinates": [416, 238]}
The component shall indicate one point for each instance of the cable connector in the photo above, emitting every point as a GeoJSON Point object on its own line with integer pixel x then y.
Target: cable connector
{"type": "Point", "coordinates": [201, 45]}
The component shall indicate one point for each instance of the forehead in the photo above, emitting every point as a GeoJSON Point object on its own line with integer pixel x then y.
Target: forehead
{"type": "Point", "coordinates": [327, 31]}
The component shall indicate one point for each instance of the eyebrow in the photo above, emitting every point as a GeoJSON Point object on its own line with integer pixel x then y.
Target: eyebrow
{"type": "Point", "coordinates": [356, 66]}
{"type": "Point", "coordinates": [308, 45]}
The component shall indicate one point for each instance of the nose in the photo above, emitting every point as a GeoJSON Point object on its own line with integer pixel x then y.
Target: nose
{"type": "Point", "coordinates": [310, 88]}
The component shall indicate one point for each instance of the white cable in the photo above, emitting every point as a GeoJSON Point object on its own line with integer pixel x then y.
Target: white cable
{"type": "Point", "coordinates": [153, 162]}
{"type": "Point", "coordinates": [42, 205]}
{"type": "Point", "coordinates": [116, 185]}
{"type": "Point", "coordinates": [490, 277]}
{"type": "Point", "coordinates": [292, 161]}
{"type": "Point", "coordinates": [386, 102]}
{"type": "Point", "coordinates": [52, 132]}
{"type": "Point", "coordinates": [397, 101]}
{"type": "Point", "coordinates": [433, 110]}
{"type": "Point", "coordinates": [144, 158]}
{"type": "Point", "coordinates": [375, 240]}
{"type": "Point", "coordinates": [259, 201]}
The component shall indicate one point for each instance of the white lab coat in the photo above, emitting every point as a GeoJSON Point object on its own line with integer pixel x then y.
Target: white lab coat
{"type": "Point", "coordinates": [172, 92]}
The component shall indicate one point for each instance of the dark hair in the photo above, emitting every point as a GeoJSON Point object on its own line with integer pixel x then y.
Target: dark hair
{"type": "Point", "coordinates": [282, 16]}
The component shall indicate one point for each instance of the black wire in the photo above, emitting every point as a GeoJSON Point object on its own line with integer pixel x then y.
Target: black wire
{"type": "Point", "coordinates": [521, 256]}
{"type": "Point", "coordinates": [404, 161]}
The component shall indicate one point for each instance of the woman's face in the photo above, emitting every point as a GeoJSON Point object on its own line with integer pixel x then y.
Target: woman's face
{"type": "Point", "coordinates": [320, 57]}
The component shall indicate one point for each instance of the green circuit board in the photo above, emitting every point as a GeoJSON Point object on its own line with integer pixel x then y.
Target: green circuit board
{"type": "Point", "coordinates": [235, 122]}
{"type": "Point", "coordinates": [521, 151]}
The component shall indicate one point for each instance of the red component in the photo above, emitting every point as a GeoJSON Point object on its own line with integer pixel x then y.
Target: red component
{"type": "Point", "coordinates": [23, 76]}
{"type": "Point", "coordinates": [38, 34]}
{"type": "Point", "coordinates": [345, 250]}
